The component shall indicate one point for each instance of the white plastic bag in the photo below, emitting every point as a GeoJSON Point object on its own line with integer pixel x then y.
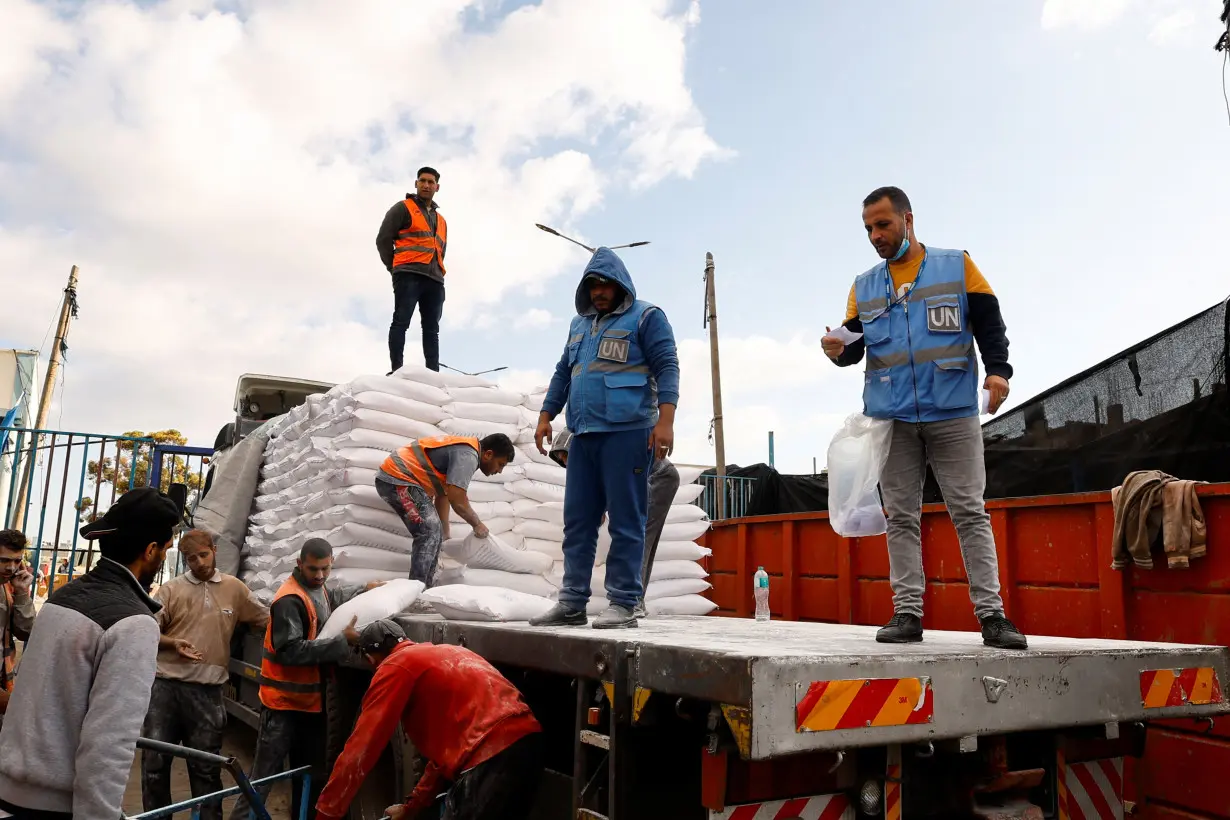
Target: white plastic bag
{"type": "Point", "coordinates": [383, 602]}
{"type": "Point", "coordinates": [856, 458]}
{"type": "Point", "coordinates": [463, 602]}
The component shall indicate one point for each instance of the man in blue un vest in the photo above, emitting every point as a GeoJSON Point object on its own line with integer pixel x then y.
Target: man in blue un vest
{"type": "Point", "coordinates": [920, 313]}
{"type": "Point", "coordinates": [619, 377]}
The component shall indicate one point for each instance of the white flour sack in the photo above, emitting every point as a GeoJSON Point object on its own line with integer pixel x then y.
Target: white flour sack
{"type": "Point", "coordinates": [368, 558]}
{"type": "Point", "coordinates": [354, 575]}
{"type": "Point", "coordinates": [680, 605]}
{"type": "Point", "coordinates": [389, 403]}
{"type": "Point", "coordinates": [675, 587]}
{"type": "Point", "coordinates": [346, 420]}
{"type": "Point", "coordinates": [684, 514]}
{"type": "Point", "coordinates": [522, 582]}
{"type": "Point", "coordinates": [537, 490]}
{"type": "Point", "coordinates": [479, 493]}
{"type": "Point", "coordinates": [542, 530]}
{"type": "Point", "coordinates": [463, 602]}
{"type": "Point", "coordinates": [486, 395]}
{"type": "Point", "coordinates": [418, 390]}
{"type": "Point", "coordinates": [670, 570]}
{"type": "Point", "coordinates": [528, 452]}
{"type": "Point", "coordinates": [688, 475]}
{"type": "Point", "coordinates": [685, 532]}
{"type": "Point", "coordinates": [478, 428]}
{"type": "Point", "coordinates": [494, 553]}
{"type": "Point", "coordinates": [384, 602]}
{"type": "Point", "coordinates": [485, 510]}
{"type": "Point", "coordinates": [495, 413]}
{"type": "Point", "coordinates": [546, 473]}
{"type": "Point", "coordinates": [363, 495]}
{"type": "Point", "coordinates": [681, 551]}
{"type": "Point", "coordinates": [687, 493]}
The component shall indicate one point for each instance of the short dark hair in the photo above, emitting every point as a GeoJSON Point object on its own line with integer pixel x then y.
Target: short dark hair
{"type": "Point", "coordinates": [499, 444]}
{"type": "Point", "coordinates": [194, 538]}
{"type": "Point", "coordinates": [896, 196]}
{"type": "Point", "coordinates": [427, 169]}
{"type": "Point", "coordinates": [316, 548]}
{"type": "Point", "coordinates": [13, 540]}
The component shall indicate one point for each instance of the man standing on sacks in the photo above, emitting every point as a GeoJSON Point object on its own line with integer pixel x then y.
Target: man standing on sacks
{"type": "Point", "coordinates": [919, 315]}
{"type": "Point", "coordinates": [619, 376]}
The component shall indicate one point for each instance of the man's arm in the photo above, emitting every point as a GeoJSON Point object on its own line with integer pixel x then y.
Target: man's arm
{"type": "Point", "coordinates": [290, 643]}
{"type": "Point", "coordinates": [425, 790]}
{"type": "Point", "coordinates": [460, 502]}
{"type": "Point", "coordinates": [557, 392]}
{"type": "Point", "coordinates": [658, 342]}
{"type": "Point", "coordinates": [987, 322]}
{"type": "Point", "coordinates": [252, 612]}
{"type": "Point", "coordinates": [851, 353]}
{"type": "Point", "coordinates": [394, 220]}
{"type": "Point", "coordinates": [119, 699]}
{"type": "Point", "coordinates": [442, 507]}
{"type": "Point", "coordinates": [22, 615]}
{"type": "Point", "coordinates": [379, 714]}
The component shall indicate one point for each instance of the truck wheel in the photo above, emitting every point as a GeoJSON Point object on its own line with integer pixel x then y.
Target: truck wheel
{"type": "Point", "coordinates": [399, 766]}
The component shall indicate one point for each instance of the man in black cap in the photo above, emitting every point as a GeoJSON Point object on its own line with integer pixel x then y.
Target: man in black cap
{"type": "Point", "coordinates": [480, 739]}
{"type": "Point", "coordinates": [70, 733]}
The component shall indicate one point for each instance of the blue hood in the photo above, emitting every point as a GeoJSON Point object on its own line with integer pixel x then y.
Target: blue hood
{"type": "Point", "coordinates": [607, 264]}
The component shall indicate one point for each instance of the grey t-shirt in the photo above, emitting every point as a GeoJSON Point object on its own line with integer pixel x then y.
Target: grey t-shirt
{"type": "Point", "coordinates": [458, 462]}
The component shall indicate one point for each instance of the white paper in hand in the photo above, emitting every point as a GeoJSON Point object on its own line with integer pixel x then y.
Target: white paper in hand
{"type": "Point", "coordinates": [382, 602]}
{"type": "Point", "coordinates": [984, 402]}
{"type": "Point", "coordinates": [844, 335]}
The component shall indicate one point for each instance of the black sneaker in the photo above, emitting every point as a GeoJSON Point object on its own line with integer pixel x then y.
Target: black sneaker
{"type": "Point", "coordinates": [902, 628]}
{"type": "Point", "coordinates": [998, 631]}
{"type": "Point", "coordinates": [561, 615]}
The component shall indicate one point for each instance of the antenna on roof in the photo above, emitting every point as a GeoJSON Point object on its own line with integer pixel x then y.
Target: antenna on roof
{"type": "Point", "coordinates": [554, 232]}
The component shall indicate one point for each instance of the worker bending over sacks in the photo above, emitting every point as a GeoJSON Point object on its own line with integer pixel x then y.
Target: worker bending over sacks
{"type": "Point", "coordinates": [422, 480]}
{"type": "Point", "coordinates": [663, 485]}
{"type": "Point", "coordinates": [292, 681]}
{"type": "Point", "coordinates": [480, 739]}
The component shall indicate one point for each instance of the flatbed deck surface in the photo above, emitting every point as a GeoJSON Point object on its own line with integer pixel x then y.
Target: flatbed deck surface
{"type": "Point", "coordinates": [768, 668]}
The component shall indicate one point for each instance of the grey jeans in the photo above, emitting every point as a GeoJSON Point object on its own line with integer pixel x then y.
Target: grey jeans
{"type": "Point", "coordinates": [191, 714]}
{"type": "Point", "coordinates": [954, 449]}
{"type": "Point", "coordinates": [663, 484]}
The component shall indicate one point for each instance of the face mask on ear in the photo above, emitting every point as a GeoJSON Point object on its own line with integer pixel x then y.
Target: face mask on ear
{"type": "Point", "coordinates": [905, 245]}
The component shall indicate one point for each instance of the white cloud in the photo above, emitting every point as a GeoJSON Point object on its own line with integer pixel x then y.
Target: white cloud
{"type": "Point", "coordinates": [1081, 14]}
{"type": "Point", "coordinates": [220, 175]}
{"type": "Point", "coordinates": [1173, 27]}
{"type": "Point", "coordinates": [533, 319]}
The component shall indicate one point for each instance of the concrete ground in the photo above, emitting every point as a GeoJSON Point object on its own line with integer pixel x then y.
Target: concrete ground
{"type": "Point", "coordinates": [240, 741]}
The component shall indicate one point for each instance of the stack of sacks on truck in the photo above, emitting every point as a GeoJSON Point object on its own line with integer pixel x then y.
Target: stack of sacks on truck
{"type": "Point", "coordinates": [318, 481]}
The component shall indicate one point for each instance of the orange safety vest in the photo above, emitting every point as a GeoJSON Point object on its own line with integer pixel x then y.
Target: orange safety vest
{"type": "Point", "coordinates": [410, 463]}
{"type": "Point", "coordinates": [417, 243]}
{"type": "Point", "coordinates": [10, 649]}
{"type": "Point", "coordinates": [290, 688]}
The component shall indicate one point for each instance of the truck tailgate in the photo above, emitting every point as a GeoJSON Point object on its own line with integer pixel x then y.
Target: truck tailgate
{"type": "Point", "coordinates": [797, 687]}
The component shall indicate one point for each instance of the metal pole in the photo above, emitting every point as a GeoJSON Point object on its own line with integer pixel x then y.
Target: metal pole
{"type": "Point", "coordinates": [68, 309]}
{"type": "Point", "coordinates": [770, 448]}
{"type": "Point", "coordinates": [715, 368]}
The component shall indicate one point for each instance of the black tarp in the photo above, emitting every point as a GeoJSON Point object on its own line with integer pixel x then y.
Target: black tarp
{"type": "Point", "coordinates": [772, 493]}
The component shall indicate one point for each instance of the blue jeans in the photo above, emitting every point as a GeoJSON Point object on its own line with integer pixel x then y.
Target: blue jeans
{"type": "Point", "coordinates": [412, 290]}
{"type": "Point", "coordinates": [607, 473]}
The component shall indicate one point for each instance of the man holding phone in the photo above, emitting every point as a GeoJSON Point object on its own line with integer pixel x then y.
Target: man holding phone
{"type": "Point", "coordinates": [16, 606]}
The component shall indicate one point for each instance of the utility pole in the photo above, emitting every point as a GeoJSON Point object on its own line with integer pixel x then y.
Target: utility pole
{"type": "Point", "coordinates": [68, 312]}
{"type": "Point", "coordinates": [715, 368]}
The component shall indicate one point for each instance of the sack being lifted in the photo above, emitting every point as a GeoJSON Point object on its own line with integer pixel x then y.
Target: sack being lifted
{"type": "Point", "coordinates": [856, 459]}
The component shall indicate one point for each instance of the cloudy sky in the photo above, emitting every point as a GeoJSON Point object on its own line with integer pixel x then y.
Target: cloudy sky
{"type": "Point", "coordinates": [218, 170]}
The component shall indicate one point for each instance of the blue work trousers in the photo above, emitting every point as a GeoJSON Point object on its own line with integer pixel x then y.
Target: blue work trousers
{"type": "Point", "coordinates": [607, 473]}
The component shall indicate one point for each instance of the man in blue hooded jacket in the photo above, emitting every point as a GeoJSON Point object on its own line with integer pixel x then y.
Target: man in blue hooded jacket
{"type": "Point", "coordinates": [619, 377]}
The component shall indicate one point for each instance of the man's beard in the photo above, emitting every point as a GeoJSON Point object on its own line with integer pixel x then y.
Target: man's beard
{"type": "Point", "coordinates": [148, 576]}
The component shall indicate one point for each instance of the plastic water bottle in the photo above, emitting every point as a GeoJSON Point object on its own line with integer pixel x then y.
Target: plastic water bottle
{"type": "Point", "coordinates": [760, 586]}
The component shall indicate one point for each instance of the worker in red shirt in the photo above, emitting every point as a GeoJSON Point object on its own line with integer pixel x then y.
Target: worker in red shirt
{"type": "Point", "coordinates": [480, 739]}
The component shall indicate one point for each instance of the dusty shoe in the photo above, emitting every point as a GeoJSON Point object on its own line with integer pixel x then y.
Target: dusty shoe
{"type": "Point", "coordinates": [639, 610]}
{"type": "Point", "coordinates": [616, 617]}
{"type": "Point", "coordinates": [999, 632]}
{"type": "Point", "coordinates": [560, 615]}
{"type": "Point", "coordinates": [902, 628]}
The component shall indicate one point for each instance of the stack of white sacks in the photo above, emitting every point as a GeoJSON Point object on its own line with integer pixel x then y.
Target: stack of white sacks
{"type": "Point", "coordinates": [318, 481]}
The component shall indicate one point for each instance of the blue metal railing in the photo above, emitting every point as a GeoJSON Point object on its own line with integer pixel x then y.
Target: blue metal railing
{"type": "Point", "coordinates": [242, 785]}
{"type": "Point", "coordinates": [738, 492]}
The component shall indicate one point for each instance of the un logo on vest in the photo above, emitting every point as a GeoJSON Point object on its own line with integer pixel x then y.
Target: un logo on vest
{"type": "Point", "coordinates": [613, 350]}
{"type": "Point", "coordinates": [945, 318]}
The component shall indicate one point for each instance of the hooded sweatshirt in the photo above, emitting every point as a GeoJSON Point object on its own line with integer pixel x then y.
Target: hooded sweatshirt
{"type": "Point", "coordinates": [580, 380]}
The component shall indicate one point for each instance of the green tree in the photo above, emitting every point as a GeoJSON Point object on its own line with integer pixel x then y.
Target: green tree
{"type": "Point", "coordinates": [134, 464]}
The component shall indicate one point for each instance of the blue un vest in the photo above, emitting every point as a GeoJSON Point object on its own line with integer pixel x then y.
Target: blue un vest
{"type": "Point", "coordinates": [920, 349]}
{"type": "Point", "coordinates": [611, 388]}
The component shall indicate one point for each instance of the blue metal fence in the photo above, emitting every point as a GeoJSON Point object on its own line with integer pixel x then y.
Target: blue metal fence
{"type": "Point", "coordinates": [738, 492]}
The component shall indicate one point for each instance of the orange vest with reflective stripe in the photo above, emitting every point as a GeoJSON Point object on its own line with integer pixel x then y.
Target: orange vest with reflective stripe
{"type": "Point", "coordinates": [290, 688]}
{"type": "Point", "coordinates": [417, 243]}
{"type": "Point", "coordinates": [410, 463]}
{"type": "Point", "coordinates": [10, 648]}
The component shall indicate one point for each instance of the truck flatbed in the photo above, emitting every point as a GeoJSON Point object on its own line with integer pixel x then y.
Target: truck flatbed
{"type": "Point", "coordinates": [801, 687]}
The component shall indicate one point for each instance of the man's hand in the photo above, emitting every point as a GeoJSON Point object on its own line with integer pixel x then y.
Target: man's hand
{"type": "Point", "coordinates": [187, 651]}
{"type": "Point", "coordinates": [4, 701]}
{"type": "Point", "coordinates": [373, 585]}
{"type": "Point", "coordinates": [352, 634]}
{"type": "Point", "coordinates": [399, 812]}
{"type": "Point", "coordinates": [998, 387]}
{"type": "Point", "coordinates": [22, 579]}
{"type": "Point", "coordinates": [833, 347]}
{"type": "Point", "coordinates": [542, 433]}
{"type": "Point", "coordinates": [662, 439]}
{"type": "Point", "coordinates": [481, 531]}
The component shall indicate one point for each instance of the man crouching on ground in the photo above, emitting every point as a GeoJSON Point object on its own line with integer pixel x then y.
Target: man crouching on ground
{"type": "Point", "coordinates": [463, 716]}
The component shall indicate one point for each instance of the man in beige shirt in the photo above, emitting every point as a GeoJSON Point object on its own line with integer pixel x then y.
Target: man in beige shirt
{"type": "Point", "coordinates": [200, 610]}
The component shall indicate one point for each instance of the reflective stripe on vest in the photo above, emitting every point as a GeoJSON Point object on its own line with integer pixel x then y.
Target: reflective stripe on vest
{"type": "Point", "coordinates": [285, 687]}
{"type": "Point", "coordinates": [417, 243]}
{"type": "Point", "coordinates": [921, 363]}
{"type": "Point", "coordinates": [411, 463]}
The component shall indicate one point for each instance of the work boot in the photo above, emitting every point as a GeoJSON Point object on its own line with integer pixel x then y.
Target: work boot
{"type": "Point", "coordinates": [616, 616]}
{"type": "Point", "coordinates": [639, 610]}
{"type": "Point", "coordinates": [999, 632]}
{"type": "Point", "coordinates": [561, 615]}
{"type": "Point", "coordinates": [901, 628]}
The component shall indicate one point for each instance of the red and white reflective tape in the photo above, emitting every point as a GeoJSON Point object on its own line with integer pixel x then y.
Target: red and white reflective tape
{"type": "Point", "coordinates": [824, 807]}
{"type": "Point", "coordinates": [1092, 790]}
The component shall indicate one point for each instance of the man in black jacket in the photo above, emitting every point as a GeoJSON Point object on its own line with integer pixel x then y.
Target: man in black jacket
{"type": "Point", "coordinates": [412, 241]}
{"type": "Point", "coordinates": [292, 716]}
